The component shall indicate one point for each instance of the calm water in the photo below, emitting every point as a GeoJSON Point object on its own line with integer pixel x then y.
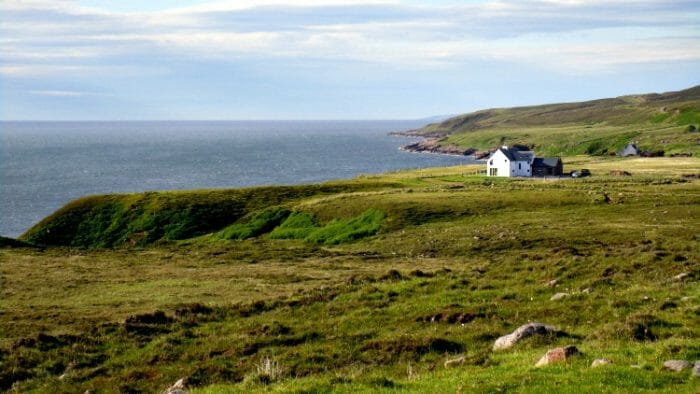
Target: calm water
{"type": "Point", "coordinates": [43, 165]}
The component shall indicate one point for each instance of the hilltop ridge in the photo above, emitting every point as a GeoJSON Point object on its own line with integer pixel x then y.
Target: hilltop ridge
{"type": "Point", "coordinates": [657, 121]}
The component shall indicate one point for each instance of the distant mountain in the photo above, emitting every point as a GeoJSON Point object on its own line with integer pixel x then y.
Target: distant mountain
{"type": "Point", "coordinates": [660, 122]}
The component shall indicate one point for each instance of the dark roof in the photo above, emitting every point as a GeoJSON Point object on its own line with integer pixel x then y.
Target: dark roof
{"type": "Point", "coordinates": [513, 154]}
{"type": "Point", "coordinates": [546, 162]}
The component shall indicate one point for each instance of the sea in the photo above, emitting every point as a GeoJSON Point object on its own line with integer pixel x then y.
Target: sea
{"type": "Point", "coordinates": [44, 165]}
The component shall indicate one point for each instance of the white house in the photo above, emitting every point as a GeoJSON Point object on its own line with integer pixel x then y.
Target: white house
{"type": "Point", "coordinates": [510, 162]}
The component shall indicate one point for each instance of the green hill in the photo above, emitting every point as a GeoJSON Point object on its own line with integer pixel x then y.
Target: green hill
{"type": "Point", "coordinates": [145, 218]}
{"type": "Point", "coordinates": [658, 122]}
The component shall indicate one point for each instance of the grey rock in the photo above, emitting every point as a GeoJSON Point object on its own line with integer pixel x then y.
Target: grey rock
{"type": "Point", "coordinates": [522, 332]}
{"type": "Point", "coordinates": [177, 387]}
{"type": "Point", "coordinates": [558, 355]}
{"type": "Point", "coordinates": [680, 276]}
{"type": "Point", "coordinates": [696, 368]}
{"type": "Point", "coordinates": [455, 362]}
{"type": "Point", "coordinates": [558, 296]}
{"type": "Point", "coordinates": [600, 362]}
{"type": "Point", "coordinates": [677, 365]}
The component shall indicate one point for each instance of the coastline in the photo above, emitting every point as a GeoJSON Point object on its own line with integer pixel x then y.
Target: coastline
{"type": "Point", "coordinates": [432, 145]}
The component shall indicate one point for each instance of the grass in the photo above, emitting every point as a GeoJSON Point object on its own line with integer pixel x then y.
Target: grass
{"type": "Point", "coordinates": [599, 127]}
{"type": "Point", "coordinates": [452, 262]}
{"type": "Point", "coordinates": [260, 223]}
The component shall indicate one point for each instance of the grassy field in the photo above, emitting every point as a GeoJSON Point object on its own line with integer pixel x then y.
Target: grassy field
{"type": "Point", "coordinates": [426, 266]}
{"type": "Point", "coordinates": [665, 123]}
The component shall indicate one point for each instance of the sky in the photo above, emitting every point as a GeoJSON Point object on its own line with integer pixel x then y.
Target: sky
{"type": "Point", "coordinates": [334, 59]}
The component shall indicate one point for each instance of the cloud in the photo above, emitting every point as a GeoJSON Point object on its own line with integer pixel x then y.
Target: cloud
{"type": "Point", "coordinates": [64, 93]}
{"type": "Point", "coordinates": [61, 37]}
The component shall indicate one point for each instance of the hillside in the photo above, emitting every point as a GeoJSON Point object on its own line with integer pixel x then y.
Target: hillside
{"type": "Point", "coordinates": [365, 285]}
{"type": "Point", "coordinates": [658, 122]}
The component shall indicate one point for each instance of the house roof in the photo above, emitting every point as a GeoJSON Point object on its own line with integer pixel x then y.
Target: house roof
{"type": "Point", "coordinates": [546, 161]}
{"type": "Point", "coordinates": [513, 154]}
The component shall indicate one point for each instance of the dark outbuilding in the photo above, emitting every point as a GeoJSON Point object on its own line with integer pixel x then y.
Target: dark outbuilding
{"type": "Point", "coordinates": [545, 166]}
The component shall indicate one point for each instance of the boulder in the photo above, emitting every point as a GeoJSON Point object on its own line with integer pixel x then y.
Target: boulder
{"type": "Point", "coordinates": [696, 368]}
{"type": "Point", "coordinates": [558, 355]}
{"type": "Point", "coordinates": [522, 332]}
{"type": "Point", "coordinates": [558, 296]}
{"type": "Point", "coordinates": [600, 362]}
{"type": "Point", "coordinates": [677, 365]}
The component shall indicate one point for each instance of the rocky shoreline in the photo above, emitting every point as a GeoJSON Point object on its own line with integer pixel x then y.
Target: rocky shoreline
{"type": "Point", "coordinates": [432, 145]}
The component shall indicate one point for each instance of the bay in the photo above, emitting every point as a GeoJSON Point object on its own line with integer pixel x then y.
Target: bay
{"type": "Point", "coordinates": [44, 165]}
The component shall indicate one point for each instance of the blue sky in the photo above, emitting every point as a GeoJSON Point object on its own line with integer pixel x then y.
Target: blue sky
{"type": "Point", "coordinates": [334, 59]}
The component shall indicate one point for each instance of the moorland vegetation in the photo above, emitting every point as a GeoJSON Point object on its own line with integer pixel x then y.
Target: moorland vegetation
{"type": "Point", "coordinates": [373, 284]}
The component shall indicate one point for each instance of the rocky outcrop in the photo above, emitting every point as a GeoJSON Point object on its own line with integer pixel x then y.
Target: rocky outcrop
{"type": "Point", "coordinates": [432, 145]}
{"type": "Point", "coordinates": [558, 355]}
{"type": "Point", "coordinates": [523, 332]}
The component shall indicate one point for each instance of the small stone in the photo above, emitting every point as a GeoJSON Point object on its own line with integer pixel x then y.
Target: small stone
{"type": "Point", "coordinates": [680, 276]}
{"type": "Point", "coordinates": [558, 296]}
{"type": "Point", "coordinates": [177, 387]}
{"type": "Point", "coordinates": [696, 368]}
{"type": "Point", "coordinates": [600, 362]}
{"type": "Point", "coordinates": [587, 290]}
{"type": "Point", "coordinates": [557, 355]}
{"type": "Point", "coordinates": [552, 283]}
{"type": "Point", "coordinates": [676, 365]}
{"type": "Point", "coordinates": [454, 362]}
{"type": "Point", "coordinates": [522, 332]}
{"type": "Point", "coordinates": [636, 366]}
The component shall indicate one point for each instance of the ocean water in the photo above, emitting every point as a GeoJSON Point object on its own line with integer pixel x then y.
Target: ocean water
{"type": "Point", "coordinates": [44, 165]}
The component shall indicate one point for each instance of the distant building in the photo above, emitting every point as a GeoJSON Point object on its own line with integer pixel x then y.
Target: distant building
{"type": "Point", "coordinates": [629, 150]}
{"type": "Point", "coordinates": [513, 162]}
{"type": "Point", "coordinates": [543, 166]}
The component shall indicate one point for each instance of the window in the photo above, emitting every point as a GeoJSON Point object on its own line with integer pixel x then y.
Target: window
{"type": "Point", "coordinates": [520, 166]}
{"type": "Point", "coordinates": [493, 172]}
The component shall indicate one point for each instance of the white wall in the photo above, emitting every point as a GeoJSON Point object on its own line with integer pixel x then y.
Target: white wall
{"type": "Point", "coordinates": [505, 167]}
{"type": "Point", "coordinates": [500, 163]}
{"type": "Point", "coordinates": [520, 168]}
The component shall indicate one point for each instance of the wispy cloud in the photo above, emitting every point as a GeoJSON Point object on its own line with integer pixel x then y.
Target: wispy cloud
{"type": "Point", "coordinates": [421, 35]}
{"type": "Point", "coordinates": [65, 93]}
{"type": "Point", "coordinates": [74, 45]}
